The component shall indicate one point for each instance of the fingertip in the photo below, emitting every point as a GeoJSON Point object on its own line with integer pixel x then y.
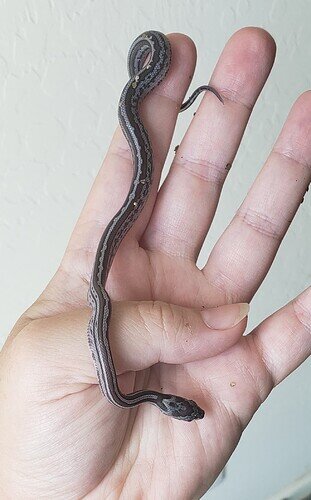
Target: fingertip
{"type": "Point", "coordinates": [257, 39]}
{"type": "Point", "coordinates": [225, 317]}
{"type": "Point", "coordinates": [183, 44]}
{"type": "Point", "coordinates": [303, 103]}
{"type": "Point", "coordinates": [244, 65]}
{"type": "Point", "coordinates": [183, 62]}
{"type": "Point", "coordinates": [293, 140]}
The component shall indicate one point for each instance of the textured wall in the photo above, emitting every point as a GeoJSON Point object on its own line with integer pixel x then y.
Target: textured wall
{"type": "Point", "coordinates": [62, 66]}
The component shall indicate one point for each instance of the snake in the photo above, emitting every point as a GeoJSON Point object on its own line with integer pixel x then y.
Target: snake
{"type": "Point", "coordinates": [148, 62]}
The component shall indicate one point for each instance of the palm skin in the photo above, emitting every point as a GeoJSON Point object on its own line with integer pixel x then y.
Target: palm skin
{"type": "Point", "coordinates": [65, 440]}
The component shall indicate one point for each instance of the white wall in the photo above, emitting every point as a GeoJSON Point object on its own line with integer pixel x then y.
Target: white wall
{"type": "Point", "coordinates": [62, 66]}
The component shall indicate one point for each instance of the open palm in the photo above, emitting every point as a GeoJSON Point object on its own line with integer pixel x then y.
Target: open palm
{"type": "Point", "coordinates": [63, 439]}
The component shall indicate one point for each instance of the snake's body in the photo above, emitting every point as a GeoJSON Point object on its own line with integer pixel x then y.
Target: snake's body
{"type": "Point", "coordinates": [148, 62]}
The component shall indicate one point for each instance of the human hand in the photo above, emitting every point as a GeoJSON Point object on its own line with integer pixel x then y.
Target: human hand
{"type": "Point", "coordinates": [59, 436]}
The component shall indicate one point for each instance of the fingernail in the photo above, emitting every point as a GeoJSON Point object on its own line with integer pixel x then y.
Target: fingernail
{"type": "Point", "coordinates": [224, 317]}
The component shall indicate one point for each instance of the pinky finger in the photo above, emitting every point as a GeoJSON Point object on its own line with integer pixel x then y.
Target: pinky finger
{"type": "Point", "coordinates": [284, 339]}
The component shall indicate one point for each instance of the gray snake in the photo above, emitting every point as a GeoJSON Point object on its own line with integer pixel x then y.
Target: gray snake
{"type": "Point", "coordinates": [148, 62]}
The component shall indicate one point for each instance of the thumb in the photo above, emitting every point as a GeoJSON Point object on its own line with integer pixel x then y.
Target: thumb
{"type": "Point", "coordinates": [141, 333]}
{"type": "Point", "coordinates": [146, 332]}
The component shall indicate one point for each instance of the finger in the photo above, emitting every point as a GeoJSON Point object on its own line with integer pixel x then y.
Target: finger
{"type": "Point", "coordinates": [159, 111]}
{"type": "Point", "coordinates": [245, 374]}
{"type": "Point", "coordinates": [244, 253]}
{"type": "Point", "coordinates": [283, 340]}
{"type": "Point", "coordinates": [188, 198]}
{"type": "Point", "coordinates": [162, 332]}
{"type": "Point", "coordinates": [141, 334]}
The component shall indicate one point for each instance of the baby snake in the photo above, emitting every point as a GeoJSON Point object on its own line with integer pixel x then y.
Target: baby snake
{"type": "Point", "coordinates": [148, 62]}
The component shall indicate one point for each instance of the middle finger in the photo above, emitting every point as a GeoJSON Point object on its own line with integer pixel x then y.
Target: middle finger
{"type": "Point", "coordinates": [189, 196]}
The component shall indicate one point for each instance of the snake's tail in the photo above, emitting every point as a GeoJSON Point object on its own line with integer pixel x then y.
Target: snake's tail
{"type": "Point", "coordinates": [185, 105]}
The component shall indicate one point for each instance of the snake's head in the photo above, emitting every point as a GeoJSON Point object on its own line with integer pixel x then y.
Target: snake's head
{"type": "Point", "coordinates": [180, 408]}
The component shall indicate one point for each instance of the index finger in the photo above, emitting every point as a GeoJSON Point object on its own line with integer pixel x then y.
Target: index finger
{"type": "Point", "coordinates": [159, 113]}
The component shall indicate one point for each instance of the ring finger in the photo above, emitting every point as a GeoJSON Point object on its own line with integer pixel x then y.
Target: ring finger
{"type": "Point", "coordinates": [244, 253]}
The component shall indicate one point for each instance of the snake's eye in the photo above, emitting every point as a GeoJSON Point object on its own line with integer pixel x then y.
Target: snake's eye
{"type": "Point", "coordinates": [172, 405]}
